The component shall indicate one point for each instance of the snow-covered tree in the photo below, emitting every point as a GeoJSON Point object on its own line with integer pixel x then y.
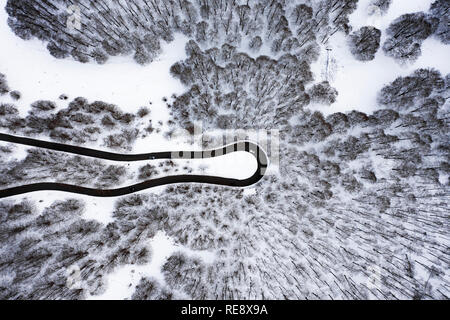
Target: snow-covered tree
{"type": "Point", "coordinates": [406, 34]}
{"type": "Point", "coordinates": [364, 43]}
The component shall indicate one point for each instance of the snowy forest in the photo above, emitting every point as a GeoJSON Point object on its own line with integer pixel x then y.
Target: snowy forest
{"type": "Point", "coordinates": [358, 210]}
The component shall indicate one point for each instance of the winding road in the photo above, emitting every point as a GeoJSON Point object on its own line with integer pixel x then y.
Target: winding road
{"type": "Point", "coordinates": [247, 146]}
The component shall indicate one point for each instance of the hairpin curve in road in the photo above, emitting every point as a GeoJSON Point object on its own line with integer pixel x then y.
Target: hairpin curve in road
{"type": "Point", "coordinates": [247, 146]}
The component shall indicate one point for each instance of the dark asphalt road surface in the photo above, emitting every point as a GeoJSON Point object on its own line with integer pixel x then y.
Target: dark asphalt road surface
{"type": "Point", "coordinates": [247, 146]}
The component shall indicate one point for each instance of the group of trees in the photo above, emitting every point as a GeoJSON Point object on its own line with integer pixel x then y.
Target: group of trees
{"type": "Point", "coordinates": [56, 254]}
{"type": "Point", "coordinates": [364, 43]}
{"type": "Point", "coordinates": [405, 92]}
{"type": "Point", "coordinates": [37, 251]}
{"type": "Point", "coordinates": [322, 93]}
{"type": "Point", "coordinates": [404, 35]}
{"type": "Point", "coordinates": [407, 32]}
{"type": "Point", "coordinates": [151, 289]}
{"type": "Point", "coordinates": [440, 9]}
{"type": "Point", "coordinates": [359, 213]}
{"type": "Point", "coordinates": [4, 88]}
{"type": "Point", "coordinates": [383, 5]}
{"type": "Point", "coordinates": [45, 166]}
{"type": "Point", "coordinates": [231, 89]}
{"type": "Point", "coordinates": [166, 167]}
{"type": "Point", "coordinates": [109, 28]}
{"type": "Point", "coordinates": [3, 84]}
{"type": "Point", "coordinates": [358, 209]}
{"type": "Point", "coordinates": [81, 122]}
{"type": "Point", "coordinates": [93, 31]}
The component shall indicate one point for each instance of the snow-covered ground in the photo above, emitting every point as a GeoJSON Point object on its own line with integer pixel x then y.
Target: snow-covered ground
{"type": "Point", "coordinates": [358, 82]}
